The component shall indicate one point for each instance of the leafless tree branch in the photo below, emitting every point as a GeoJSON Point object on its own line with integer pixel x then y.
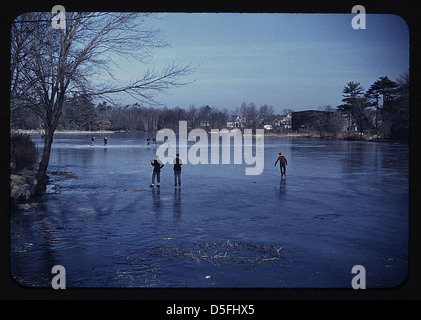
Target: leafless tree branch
{"type": "Point", "coordinates": [48, 65]}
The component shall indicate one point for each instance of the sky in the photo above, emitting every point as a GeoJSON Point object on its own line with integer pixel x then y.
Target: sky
{"type": "Point", "coordinates": [288, 61]}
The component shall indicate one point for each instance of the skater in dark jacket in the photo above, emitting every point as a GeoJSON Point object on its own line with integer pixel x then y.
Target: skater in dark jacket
{"type": "Point", "coordinates": [177, 170]}
{"type": "Point", "coordinates": [282, 164]}
{"type": "Point", "coordinates": [157, 166]}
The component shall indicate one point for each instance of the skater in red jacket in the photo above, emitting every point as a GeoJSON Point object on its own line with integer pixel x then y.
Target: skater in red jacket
{"type": "Point", "coordinates": [282, 164]}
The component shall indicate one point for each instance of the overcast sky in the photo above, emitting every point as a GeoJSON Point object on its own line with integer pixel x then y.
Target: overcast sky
{"type": "Point", "coordinates": [294, 61]}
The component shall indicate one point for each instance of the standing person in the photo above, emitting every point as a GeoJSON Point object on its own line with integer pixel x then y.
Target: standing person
{"type": "Point", "coordinates": [157, 166]}
{"type": "Point", "coordinates": [92, 141]}
{"type": "Point", "coordinates": [282, 164]}
{"type": "Point", "coordinates": [148, 141]}
{"type": "Point", "coordinates": [105, 141]}
{"type": "Point", "coordinates": [177, 170]}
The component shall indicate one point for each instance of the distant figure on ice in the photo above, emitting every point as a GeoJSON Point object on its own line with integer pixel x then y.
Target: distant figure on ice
{"type": "Point", "coordinates": [92, 141]}
{"type": "Point", "coordinates": [177, 170]}
{"type": "Point", "coordinates": [157, 166]}
{"type": "Point", "coordinates": [282, 164]}
{"type": "Point", "coordinates": [154, 141]}
{"type": "Point", "coordinates": [105, 141]}
{"type": "Point", "coordinates": [148, 141]}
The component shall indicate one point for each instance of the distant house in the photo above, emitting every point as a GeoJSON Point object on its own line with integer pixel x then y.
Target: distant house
{"type": "Point", "coordinates": [234, 122]}
{"type": "Point", "coordinates": [286, 122]}
{"type": "Point", "coordinates": [268, 127]}
{"type": "Point", "coordinates": [204, 124]}
{"type": "Point", "coordinates": [283, 122]}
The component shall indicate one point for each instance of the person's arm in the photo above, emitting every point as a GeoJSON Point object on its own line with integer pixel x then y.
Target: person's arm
{"type": "Point", "coordinates": [276, 161]}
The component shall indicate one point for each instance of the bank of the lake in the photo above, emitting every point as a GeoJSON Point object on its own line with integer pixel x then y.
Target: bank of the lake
{"type": "Point", "coordinates": [293, 135]}
{"type": "Point", "coordinates": [41, 132]}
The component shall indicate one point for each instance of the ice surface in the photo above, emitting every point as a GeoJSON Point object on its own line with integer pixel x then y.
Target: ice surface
{"type": "Point", "coordinates": [342, 204]}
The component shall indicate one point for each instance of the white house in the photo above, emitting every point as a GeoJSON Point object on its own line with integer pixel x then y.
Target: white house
{"type": "Point", "coordinates": [284, 122]}
{"type": "Point", "coordinates": [234, 122]}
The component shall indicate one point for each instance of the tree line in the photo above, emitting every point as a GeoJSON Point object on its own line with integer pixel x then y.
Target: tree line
{"type": "Point", "coordinates": [80, 113]}
{"type": "Point", "coordinates": [382, 109]}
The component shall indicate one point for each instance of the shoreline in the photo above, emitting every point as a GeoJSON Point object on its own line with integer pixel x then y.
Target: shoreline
{"type": "Point", "coordinates": [308, 135]}
{"type": "Point", "coordinates": [41, 132]}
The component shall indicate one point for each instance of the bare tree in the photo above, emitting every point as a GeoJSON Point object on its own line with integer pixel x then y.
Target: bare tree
{"type": "Point", "coordinates": [335, 121]}
{"type": "Point", "coordinates": [250, 114]}
{"type": "Point", "coordinates": [48, 65]}
{"type": "Point", "coordinates": [286, 112]}
{"type": "Point", "coordinates": [327, 121]}
{"type": "Point", "coordinates": [266, 113]}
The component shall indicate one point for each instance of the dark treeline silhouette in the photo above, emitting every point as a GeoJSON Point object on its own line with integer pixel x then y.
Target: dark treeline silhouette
{"type": "Point", "coordinates": [80, 113]}
{"type": "Point", "coordinates": [382, 110]}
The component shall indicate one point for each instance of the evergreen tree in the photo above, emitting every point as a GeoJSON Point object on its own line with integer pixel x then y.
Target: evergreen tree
{"type": "Point", "coordinates": [383, 94]}
{"type": "Point", "coordinates": [355, 105]}
{"type": "Point", "coordinates": [78, 114]}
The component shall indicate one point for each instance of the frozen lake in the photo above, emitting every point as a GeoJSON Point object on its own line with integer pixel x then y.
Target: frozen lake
{"type": "Point", "coordinates": [343, 203]}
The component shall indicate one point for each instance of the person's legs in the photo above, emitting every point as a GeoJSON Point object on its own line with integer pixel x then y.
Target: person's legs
{"type": "Point", "coordinates": [153, 178]}
{"type": "Point", "coordinates": [175, 178]}
{"type": "Point", "coordinates": [158, 178]}
{"type": "Point", "coordinates": [179, 178]}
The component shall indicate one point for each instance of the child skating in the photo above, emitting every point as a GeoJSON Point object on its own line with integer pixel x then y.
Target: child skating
{"type": "Point", "coordinates": [282, 164]}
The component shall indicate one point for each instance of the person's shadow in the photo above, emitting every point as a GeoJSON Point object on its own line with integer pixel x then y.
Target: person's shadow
{"type": "Point", "coordinates": [282, 187]}
{"type": "Point", "coordinates": [177, 207]}
{"type": "Point", "coordinates": [156, 199]}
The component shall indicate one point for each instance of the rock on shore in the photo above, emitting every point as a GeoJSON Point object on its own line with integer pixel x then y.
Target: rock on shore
{"type": "Point", "coordinates": [22, 185]}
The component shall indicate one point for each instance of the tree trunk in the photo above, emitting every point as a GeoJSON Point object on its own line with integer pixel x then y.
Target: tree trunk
{"type": "Point", "coordinates": [42, 178]}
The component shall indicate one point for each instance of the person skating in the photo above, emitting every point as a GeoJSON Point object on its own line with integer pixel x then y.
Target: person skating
{"type": "Point", "coordinates": [282, 164]}
{"type": "Point", "coordinates": [177, 170]}
{"type": "Point", "coordinates": [157, 166]}
{"type": "Point", "coordinates": [105, 141]}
